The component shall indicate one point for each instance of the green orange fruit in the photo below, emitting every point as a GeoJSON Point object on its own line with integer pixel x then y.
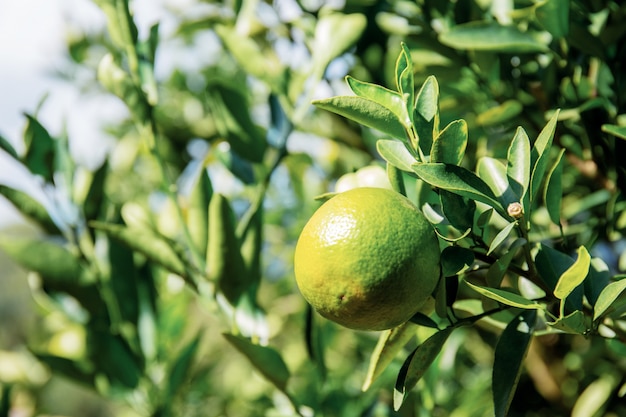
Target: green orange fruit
{"type": "Point", "coordinates": [367, 259]}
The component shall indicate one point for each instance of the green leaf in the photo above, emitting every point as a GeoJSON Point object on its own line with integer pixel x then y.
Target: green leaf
{"type": "Point", "coordinates": [501, 237]}
{"type": "Point", "coordinates": [396, 153]}
{"type": "Point", "coordinates": [540, 154]}
{"type": "Point", "coordinates": [501, 113]}
{"type": "Point", "coordinates": [225, 263]}
{"type": "Point", "coordinates": [391, 100]}
{"type": "Point", "coordinates": [426, 117]}
{"type": "Point", "coordinates": [30, 208]}
{"type": "Point", "coordinates": [551, 264]}
{"type": "Point", "coordinates": [455, 260]}
{"type": "Point", "coordinates": [416, 365]}
{"type": "Point", "coordinates": [518, 164]}
{"type": "Point", "coordinates": [457, 180]}
{"type": "Point", "coordinates": [198, 210]}
{"type": "Point", "coordinates": [498, 269]}
{"type": "Point", "coordinates": [615, 130]}
{"type": "Point", "coordinates": [261, 63]}
{"type": "Point", "coordinates": [607, 297]}
{"type": "Point", "coordinates": [58, 267]}
{"type": "Point", "coordinates": [365, 112]}
{"type": "Point", "coordinates": [553, 192]}
{"type": "Point", "coordinates": [458, 210]}
{"type": "Point", "coordinates": [6, 146]}
{"type": "Point", "coordinates": [148, 243]}
{"type": "Point", "coordinates": [509, 357]}
{"type": "Point", "coordinates": [573, 323]}
{"type": "Point", "coordinates": [179, 372]}
{"type": "Point", "coordinates": [265, 359]}
{"type": "Point", "coordinates": [119, 82]}
{"type": "Point", "coordinates": [574, 275]}
{"type": "Point", "coordinates": [488, 36]}
{"type": "Point", "coordinates": [390, 343]}
{"type": "Point", "coordinates": [595, 398]}
{"type": "Point", "coordinates": [113, 356]}
{"type": "Point", "coordinates": [404, 78]}
{"type": "Point", "coordinates": [449, 146]}
{"type": "Point", "coordinates": [493, 172]}
{"type": "Point", "coordinates": [230, 110]}
{"type": "Point", "coordinates": [40, 149]}
{"type": "Point", "coordinates": [505, 297]}
{"type": "Point", "coordinates": [554, 17]}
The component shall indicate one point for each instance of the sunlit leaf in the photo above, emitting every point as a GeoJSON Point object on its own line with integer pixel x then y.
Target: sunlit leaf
{"type": "Point", "coordinates": [457, 180]}
{"type": "Point", "coordinates": [501, 237]}
{"type": "Point", "coordinates": [404, 78]}
{"type": "Point", "coordinates": [574, 275]}
{"type": "Point", "coordinates": [509, 356]}
{"type": "Point", "coordinates": [595, 397]}
{"type": "Point", "coordinates": [488, 36]}
{"type": "Point", "coordinates": [390, 343]}
{"type": "Point", "coordinates": [449, 146]}
{"type": "Point", "coordinates": [396, 153]}
{"type": "Point", "coordinates": [551, 264]}
{"type": "Point", "coordinates": [518, 163]}
{"type": "Point", "coordinates": [553, 193]}
{"type": "Point", "coordinates": [615, 130]}
{"type": "Point", "coordinates": [391, 100]}
{"type": "Point", "coordinates": [607, 297]}
{"type": "Point", "coordinates": [426, 117]}
{"type": "Point", "coordinates": [365, 112]}
{"type": "Point", "coordinates": [505, 297]}
{"type": "Point", "coordinates": [573, 323]}
{"type": "Point", "coordinates": [40, 149]}
{"type": "Point", "coordinates": [417, 363]}
{"type": "Point", "coordinates": [498, 269]}
{"type": "Point", "coordinates": [493, 172]}
{"type": "Point", "coordinates": [540, 154]}
{"type": "Point", "coordinates": [500, 114]}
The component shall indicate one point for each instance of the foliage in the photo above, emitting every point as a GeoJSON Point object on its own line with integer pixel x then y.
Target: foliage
{"type": "Point", "coordinates": [503, 121]}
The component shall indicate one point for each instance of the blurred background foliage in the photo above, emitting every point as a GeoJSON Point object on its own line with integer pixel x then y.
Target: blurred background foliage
{"type": "Point", "coordinates": [126, 323]}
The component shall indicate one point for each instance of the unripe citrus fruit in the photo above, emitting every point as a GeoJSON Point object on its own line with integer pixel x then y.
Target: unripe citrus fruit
{"type": "Point", "coordinates": [367, 259]}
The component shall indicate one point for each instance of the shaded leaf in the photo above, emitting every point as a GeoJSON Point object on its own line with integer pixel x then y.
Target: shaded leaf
{"type": "Point", "coordinates": [6, 146]}
{"type": "Point", "coordinates": [488, 36]}
{"type": "Point", "coordinates": [179, 372]}
{"type": "Point", "coordinates": [554, 17]}
{"type": "Point", "coordinates": [455, 260]}
{"type": "Point", "coordinates": [30, 208]}
{"type": "Point", "coordinates": [458, 210]}
{"type": "Point", "coordinates": [509, 356]}
{"type": "Point", "coordinates": [416, 365]}
{"type": "Point", "coordinates": [265, 359]}
{"type": "Point", "coordinates": [390, 343]}
{"type": "Point", "coordinates": [498, 269]}
{"type": "Point", "coordinates": [40, 149]}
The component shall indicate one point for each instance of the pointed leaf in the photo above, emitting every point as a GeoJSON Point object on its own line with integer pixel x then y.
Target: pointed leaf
{"type": "Point", "coordinates": [457, 180]}
{"type": "Point", "coordinates": [518, 163]}
{"type": "Point", "coordinates": [390, 100]}
{"type": "Point", "coordinates": [30, 208]}
{"type": "Point", "coordinates": [6, 146]}
{"type": "Point", "coordinates": [365, 112]}
{"type": "Point", "coordinates": [551, 264]}
{"type": "Point", "coordinates": [487, 36]}
{"type": "Point", "coordinates": [40, 149]}
{"type": "Point", "coordinates": [198, 210]}
{"type": "Point", "coordinates": [574, 275]}
{"type": "Point", "coordinates": [396, 153]}
{"type": "Point", "coordinates": [615, 130]}
{"type": "Point", "coordinates": [607, 297]}
{"type": "Point", "coordinates": [390, 343]}
{"type": "Point", "coordinates": [540, 154]}
{"type": "Point", "coordinates": [553, 193]}
{"type": "Point", "coordinates": [505, 297]}
{"type": "Point", "coordinates": [501, 237]}
{"type": "Point", "coordinates": [416, 365]}
{"type": "Point", "coordinates": [179, 372]}
{"type": "Point", "coordinates": [449, 146]}
{"type": "Point", "coordinates": [405, 80]}
{"type": "Point", "coordinates": [508, 359]}
{"type": "Point", "coordinates": [148, 243]}
{"type": "Point", "coordinates": [493, 172]}
{"type": "Point", "coordinates": [498, 269]}
{"type": "Point", "coordinates": [224, 260]}
{"type": "Point", "coordinates": [265, 359]}
{"type": "Point", "coordinates": [426, 117]}
{"type": "Point", "coordinates": [573, 323]}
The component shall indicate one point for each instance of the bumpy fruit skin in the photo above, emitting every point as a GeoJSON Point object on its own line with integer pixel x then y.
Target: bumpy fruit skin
{"type": "Point", "coordinates": [367, 259]}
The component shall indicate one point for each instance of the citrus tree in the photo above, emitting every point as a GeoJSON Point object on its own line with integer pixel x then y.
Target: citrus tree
{"type": "Point", "coordinates": [474, 216]}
